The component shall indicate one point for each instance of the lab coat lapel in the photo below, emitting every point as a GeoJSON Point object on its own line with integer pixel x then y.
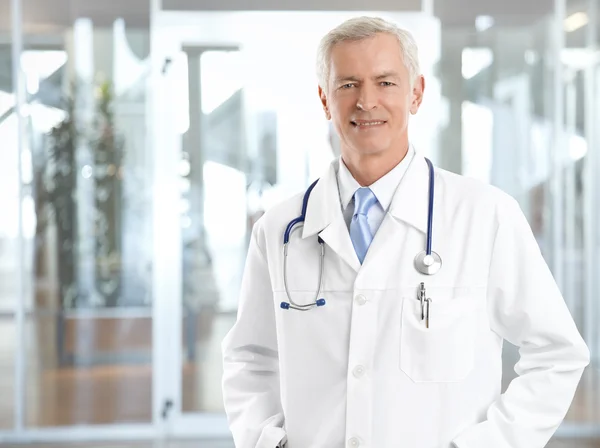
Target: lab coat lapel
{"type": "Point", "coordinates": [336, 236]}
{"type": "Point", "coordinates": [324, 217]}
{"type": "Point", "coordinates": [409, 206]}
{"type": "Point", "coordinates": [411, 200]}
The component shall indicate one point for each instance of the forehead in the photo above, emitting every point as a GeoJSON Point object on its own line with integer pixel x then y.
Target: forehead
{"type": "Point", "coordinates": [374, 54]}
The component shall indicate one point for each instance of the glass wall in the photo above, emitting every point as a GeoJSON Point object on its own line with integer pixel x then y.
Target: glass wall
{"type": "Point", "coordinates": [577, 180]}
{"type": "Point", "coordinates": [213, 221]}
{"type": "Point", "coordinates": [89, 327]}
{"type": "Point", "coordinates": [86, 218]}
{"type": "Point", "coordinates": [523, 113]}
{"type": "Point", "coordinates": [9, 241]}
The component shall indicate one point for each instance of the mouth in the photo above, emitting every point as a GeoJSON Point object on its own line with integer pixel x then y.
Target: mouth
{"type": "Point", "coordinates": [367, 124]}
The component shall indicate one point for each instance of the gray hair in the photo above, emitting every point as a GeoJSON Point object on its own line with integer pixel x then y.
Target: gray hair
{"type": "Point", "coordinates": [362, 28]}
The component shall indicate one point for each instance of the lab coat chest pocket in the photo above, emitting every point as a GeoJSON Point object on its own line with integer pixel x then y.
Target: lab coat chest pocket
{"type": "Point", "coordinates": [445, 351]}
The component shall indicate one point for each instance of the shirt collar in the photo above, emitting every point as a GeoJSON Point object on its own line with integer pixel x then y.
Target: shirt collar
{"type": "Point", "coordinates": [384, 188]}
{"type": "Point", "coordinates": [347, 184]}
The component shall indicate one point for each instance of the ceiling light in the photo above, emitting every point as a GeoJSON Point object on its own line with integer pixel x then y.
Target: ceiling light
{"type": "Point", "coordinates": [482, 23]}
{"type": "Point", "coordinates": [475, 60]}
{"type": "Point", "coordinates": [576, 21]}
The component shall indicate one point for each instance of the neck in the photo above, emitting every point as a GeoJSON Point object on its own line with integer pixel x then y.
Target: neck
{"type": "Point", "coordinates": [369, 168]}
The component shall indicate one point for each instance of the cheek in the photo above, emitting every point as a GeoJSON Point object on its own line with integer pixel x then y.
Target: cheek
{"type": "Point", "coordinates": [341, 112]}
{"type": "Point", "coordinates": [344, 102]}
{"type": "Point", "coordinates": [399, 109]}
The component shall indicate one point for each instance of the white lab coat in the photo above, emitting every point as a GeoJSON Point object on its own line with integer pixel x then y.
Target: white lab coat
{"type": "Point", "coordinates": [363, 371]}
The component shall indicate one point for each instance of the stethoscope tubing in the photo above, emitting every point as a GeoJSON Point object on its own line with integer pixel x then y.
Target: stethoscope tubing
{"type": "Point", "coordinates": [427, 269]}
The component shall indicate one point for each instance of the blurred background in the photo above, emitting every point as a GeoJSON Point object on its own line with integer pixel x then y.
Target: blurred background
{"type": "Point", "coordinates": [140, 140]}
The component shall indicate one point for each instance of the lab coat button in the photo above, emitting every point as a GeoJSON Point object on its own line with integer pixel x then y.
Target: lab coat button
{"type": "Point", "coordinates": [353, 442]}
{"type": "Point", "coordinates": [358, 371]}
{"type": "Point", "coordinates": [360, 299]}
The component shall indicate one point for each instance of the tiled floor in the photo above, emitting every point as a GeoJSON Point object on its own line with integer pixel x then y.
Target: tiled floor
{"type": "Point", "coordinates": [156, 444]}
{"type": "Point", "coordinates": [58, 396]}
{"type": "Point", "coordinates": [574, 444]}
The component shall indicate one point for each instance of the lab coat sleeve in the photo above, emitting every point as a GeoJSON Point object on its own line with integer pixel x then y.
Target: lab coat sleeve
{"type": "Point", "coordinates": [250, 359]}
{"type": "Point", "coordinates": [526, 308]}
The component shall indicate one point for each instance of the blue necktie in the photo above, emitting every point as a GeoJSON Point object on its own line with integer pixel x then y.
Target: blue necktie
{"type": "Point", "coordinates": [360, 232]}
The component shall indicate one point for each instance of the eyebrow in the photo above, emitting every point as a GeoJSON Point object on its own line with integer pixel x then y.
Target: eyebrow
{"type": "Point", "coordinates": [346, 78]}
{"type": "Point", "coordinates": [388, 74]}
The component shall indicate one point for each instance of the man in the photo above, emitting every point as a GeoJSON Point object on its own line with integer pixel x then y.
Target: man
{"type": "Point", "coordinates": [379, 365]}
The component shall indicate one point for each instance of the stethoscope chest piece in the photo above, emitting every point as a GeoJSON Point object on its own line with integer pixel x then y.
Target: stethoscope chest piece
{"type": "Point", "coordinates": [428, 264]}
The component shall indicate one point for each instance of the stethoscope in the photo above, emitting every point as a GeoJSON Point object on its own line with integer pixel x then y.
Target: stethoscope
{"type": "Point", "coordinates": [426, 262]}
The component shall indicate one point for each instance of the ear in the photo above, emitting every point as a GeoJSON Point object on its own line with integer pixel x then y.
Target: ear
{"type": "Point", "coordinates": [324, 102]}
{"type": "Point", "coordinates": [417, 94]}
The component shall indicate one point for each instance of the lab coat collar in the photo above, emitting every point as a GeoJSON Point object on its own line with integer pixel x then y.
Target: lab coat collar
{"type": "Point", "coordinates": [324, 203]}
{"type": "Point", "coordinates": [411, 200]}
{"type": "Point", "coordinates": [324, 216]}
{"type": "Point", "coordinates": [409, 204]}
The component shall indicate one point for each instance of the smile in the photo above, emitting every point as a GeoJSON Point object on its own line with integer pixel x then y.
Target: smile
{"type": "Point", "coordinates": [367, 124]}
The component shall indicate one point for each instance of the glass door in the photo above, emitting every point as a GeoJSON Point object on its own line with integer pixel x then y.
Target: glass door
{"type": "Point", "coordinates": [202, 180]}
{"type": "Point", "coordinates": [223, 127]}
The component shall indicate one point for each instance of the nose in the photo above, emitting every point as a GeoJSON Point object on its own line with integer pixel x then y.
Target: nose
{"type": "Point", "coordinates": [367, 99]}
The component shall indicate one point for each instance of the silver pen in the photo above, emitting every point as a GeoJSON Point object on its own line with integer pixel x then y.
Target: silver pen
{"type": "Point", "coordinates": [422, 294]}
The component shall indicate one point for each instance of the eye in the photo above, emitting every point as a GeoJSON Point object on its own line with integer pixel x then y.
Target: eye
{"type": "Point", "coordinates": [347, 86]}
{"type": "Point", "coordinates": [387, 83]}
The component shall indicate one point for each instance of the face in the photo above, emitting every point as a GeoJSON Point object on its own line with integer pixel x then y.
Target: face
{"type": "Point", "coordinates": [369, 96]}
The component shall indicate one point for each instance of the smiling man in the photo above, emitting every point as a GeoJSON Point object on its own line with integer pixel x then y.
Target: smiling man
{"type": "Point", "coordinates": [368, 91]}
{"type": "Point", "coordinates": [352, 332]}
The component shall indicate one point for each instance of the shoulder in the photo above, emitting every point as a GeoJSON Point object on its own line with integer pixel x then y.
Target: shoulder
{"type": "Point", "coordinates": [470, 193]}
{"type": "Point", "coordinates": [271, 226]}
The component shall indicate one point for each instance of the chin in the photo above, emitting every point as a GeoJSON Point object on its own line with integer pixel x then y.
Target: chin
{"type": "Point", "coordinates": [370, 148]}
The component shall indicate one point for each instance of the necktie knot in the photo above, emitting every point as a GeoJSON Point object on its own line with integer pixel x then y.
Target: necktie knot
{"type": "Point", "coordinates": [364, 199]}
